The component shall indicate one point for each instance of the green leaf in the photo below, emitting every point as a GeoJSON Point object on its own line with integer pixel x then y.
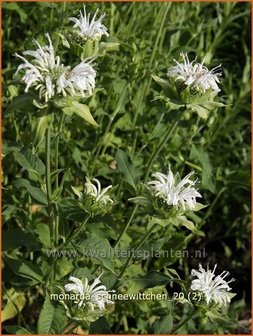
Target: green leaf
{"type": "Point", "coordinates": [97, 248]}
{"type": "Point", "coordinates": [168, 90]}
{"type": "Point", "coordinates": [25, 269]}
{"type": "Point", "coordinates": [22, 102]}
{"type": "Point", "coordinates": [41, 125]}
{"type": "Point", "coordinates": [44, 234]}
{"type": "Point", "coordinates": [15, 238]}
{"type": "Point", "coordinates": [81, 110]}
{"type": "Point", "coordinates": [35, 192]}
{"type": "Point", "coordinates": [150, 280]}
{"type": "Point", "coordinates": [52, 320]}
{"type": "Point", "coordinates": [46, 317]}
{"type": "Point", "coordinates": [200, 110]}
{"type": "Point", "coordinates": [182, 220]}
{"type": "Point", "coordinates": [202, 157]}
{"type": "Point", "coordinates": [64, 41]}
{"type": "Point", "coordinates": [140, 200]}
{"type": "Point", "coordinates": [30, 161]}
{"type": "Point", "coordinates": [199, 206]}
{"type": "Point", "coordinates": [126, 167]}
{"type": "Point", "coordinates": [15, 304]}
{"type": "Point", "coordinates": [163, 325]}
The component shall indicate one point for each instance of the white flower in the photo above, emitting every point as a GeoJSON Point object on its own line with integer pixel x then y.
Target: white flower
{"type": "Point", "coordinates": [80, 79]}
{"type": "Point", "coordinates": [76, 286]}
{"type": "Point", "coordinates": [96, 192]}
{"type": "Point", "coordinates": [47, 75]}
{"type": "Point", "coordinates": [181, 193]}
{"type": "Point", "coordinates": [90, 28]}
{"type": "Point", "coordinates": [195, 74]}
{"type": "Point", "coordinates": [215, 288]}
{"type": "Point", "coordinates": [97, 295]}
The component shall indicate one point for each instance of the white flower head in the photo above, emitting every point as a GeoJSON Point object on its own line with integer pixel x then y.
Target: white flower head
{"type": "Point", "coordinates": [90, 28]}
{"type": "Point", "coordinates": [98, 193]}
{"type": "Point", "coordinates": [47, 75]}
{"type": "Point", "coordinates": [96, 294]}
{"type": "Point", "coordinates": [195, 74]}
{"type": "Point", "coordinates": [215, 288]}
{"type": "Point", "coordinates": [174, 191]}
{"type": "Point", "coordinates": [79, 80]}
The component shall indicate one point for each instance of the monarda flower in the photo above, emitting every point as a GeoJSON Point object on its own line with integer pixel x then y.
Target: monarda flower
{"type": "Point", "coordinates": [47, 75]}
{"type": "Point", "coordinates": [89, 301]}
{"type": "Point", "coordinates": [95, 293]}
{"type": "Point", "coordinates": [174, 191]}
{"type": "Point", "coordinates": [89, 28]}
{"type": "Point", "coordinates": [97, 193]}
{"type": "Point", "coordinates": [214, 288]}
{"type": "Point", "coordinates": [94, 199]}
{"type": "Point", "coordinates": [195, 75]}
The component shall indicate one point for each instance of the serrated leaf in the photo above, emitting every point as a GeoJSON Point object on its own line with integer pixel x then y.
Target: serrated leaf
{"type": "Point", "coordinates": [46, 317]}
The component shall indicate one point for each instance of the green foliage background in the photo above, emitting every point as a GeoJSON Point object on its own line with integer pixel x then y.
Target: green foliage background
{"type": "Point", "coordinates": [132, 114]}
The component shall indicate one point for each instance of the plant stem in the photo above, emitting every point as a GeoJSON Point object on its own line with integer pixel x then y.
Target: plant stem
{"type": "Point", "coordinates": [48, 184]}
{"type": "Point", "coordinates": [163, 141]}
{"type": "Point", "coordinates": [136, 249]}
{"type": "Point", "coordinates": [127, 225]}
{"type": "Point", "coordinates": [164, 12]}
{"type": "Point", "coordinates": [77, 231]}
{"type": "Point", "coordinates": [69, 328]}
{"type": "Point", "coordinates": [192, 315]}
{"type": "Point", "coordinates": [57, 176]}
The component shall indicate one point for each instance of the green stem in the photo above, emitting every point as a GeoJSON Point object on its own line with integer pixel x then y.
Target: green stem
{"type": "Point", "coordinates": [57, 148]}
{"type": "Point", "coordinates": [127, 225]}
{"type": "Point", "coordinates": [164, 11]}
{"type": "Point", "coordinates": [48, 184]}
{"type": "Point", "coordinates": [76, 232]}
{"type": "Point", "coordinates": [191, 316]}
{"type": "Point", "coordinates": [119, 104]}
{"type": "Point", "coordinates": [163, 141]}
{"type": "Point", "coordinates": [136, 249]}
{"type": "Point", "coordinates": [57, 176]}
